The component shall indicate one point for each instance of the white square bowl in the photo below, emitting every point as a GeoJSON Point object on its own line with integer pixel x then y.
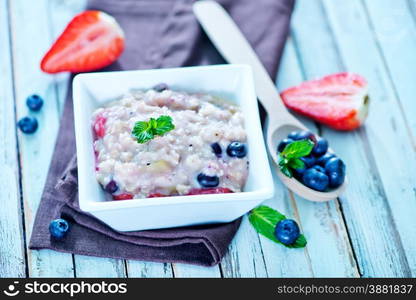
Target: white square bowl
{"type": "Point", "coordinates": [231, 82]}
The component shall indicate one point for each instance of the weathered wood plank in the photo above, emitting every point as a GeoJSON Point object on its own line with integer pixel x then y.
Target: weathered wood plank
{"type": "Point", "coordinates": [148, 269]}
{"type": "Point", "coordinates": [281, 261]}
{"type": "Point", "coordinates": [394, 27]}
{"type": "Point", "coordinates": [88, 266]}
{"type": "Point", "coordinates": [191, 271]}
{"type": "Point", "coordinates": [35, 150]}
{"type": "Point", "coordinates": [244, 257]}
{"type": "Point", "coordinates": [12, 250]}
{"type": "Point", "coordinates": [365, 204]}
{"type": "Point", "coordinates": [322, 222]}
{"type": "Point", "coordinates": [388, 132]}
{"type": "Point", "coordinates": [60, 13]}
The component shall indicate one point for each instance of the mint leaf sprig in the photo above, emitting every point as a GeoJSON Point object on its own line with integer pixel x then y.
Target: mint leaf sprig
{"type": "Point", "coordinates": [289, 158]}
{"type": "Point", "coordinates": [264, 220]}
{"type": "Point", "coordinates": [145, 131]}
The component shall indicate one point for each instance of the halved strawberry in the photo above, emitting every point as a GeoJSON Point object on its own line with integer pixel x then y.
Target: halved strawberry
{"type": "Point", "coordinates": [124, 196]}
{"type": "Point", "coordinates": [204, 191]}
{"type": "Point", "coordinates": [339, 100]}
{"type": "Point", "coordinates": [91, 41]}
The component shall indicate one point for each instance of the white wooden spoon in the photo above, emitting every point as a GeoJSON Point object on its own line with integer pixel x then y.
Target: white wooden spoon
{"type": "Point", "coordinates": [233, 46]}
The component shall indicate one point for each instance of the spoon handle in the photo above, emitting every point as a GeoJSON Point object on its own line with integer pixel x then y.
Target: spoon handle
{"type": "Point", "coordinates": [234, 47]}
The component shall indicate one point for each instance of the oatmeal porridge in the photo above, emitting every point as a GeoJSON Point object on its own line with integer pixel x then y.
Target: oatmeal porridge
{"type": "Point", "coordinates": [204, 152]}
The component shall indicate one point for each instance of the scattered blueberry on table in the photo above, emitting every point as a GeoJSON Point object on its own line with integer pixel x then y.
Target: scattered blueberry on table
{"type": "Point", "coordinates": [34, 102]}
{"type": "Point", "coordinates": [275, 226]}
{"type": "Point", "coordinates": [59, 228]}
{"type": "Point", "coordinates": [287, 231]}
{"type": "Point", "coordinates": [305, 157]}
{"type": "Point", "coordinates": [28, 125]}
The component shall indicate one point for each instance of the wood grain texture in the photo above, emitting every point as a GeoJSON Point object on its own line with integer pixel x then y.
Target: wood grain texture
{"type": "Point", "coordinates": [141, 269]}
{"type": "Point", "coordinates": [393, 24]}
{"type": "Point", "coordinates": [369, 231]}
{"type": "Point", "coordinates": [366, 206]}
{"type": "Point", "coordinates": [12, 250]}
{"type": "Point", "coordinates": [191, 271]}
{"type": "Point", "coordinates": [387, 132]}
{"type": "Point", "coordinates": [244, 257]}
{"type": "Point", "coordinates": [328, 253]}
{"type": "Point", "coordinates": [88, 266]}
{"type": "Point", "coordinates": [36, 149]}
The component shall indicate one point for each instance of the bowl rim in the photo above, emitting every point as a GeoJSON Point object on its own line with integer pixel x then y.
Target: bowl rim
{"type": "Point", "coordinates": [263, 193]}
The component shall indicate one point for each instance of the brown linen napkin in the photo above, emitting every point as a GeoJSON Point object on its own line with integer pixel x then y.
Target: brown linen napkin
{"type": "Point", "coordinates": [159, 33]}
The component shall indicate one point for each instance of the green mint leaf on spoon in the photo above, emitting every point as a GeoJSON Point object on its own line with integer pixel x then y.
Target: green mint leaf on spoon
{"type": "Point", "coordinates": [298, 149]}
{"type": "Point", "coordinates": [145, 131]}
{"type": "Point", "coordinates": [289, 157]}
{"type": "Point", "coordinates": [264, 220]}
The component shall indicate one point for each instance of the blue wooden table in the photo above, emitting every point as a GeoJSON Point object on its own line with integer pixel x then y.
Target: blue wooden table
{"type": "Point", "coordinates": [370, 231]}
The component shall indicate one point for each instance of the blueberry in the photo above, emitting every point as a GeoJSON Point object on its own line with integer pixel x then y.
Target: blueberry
{"type": "Point", "coordinates": [320, 148]}
{"type": "Point", "coordinates": [315, 180]}
{"type": "Point", "coordinates": [58, 228]}
{"type": "Point", "coordinates": [302, 135]}
{"type": "Point", "coordinates": [287, 231]}
{"type": "Point", "coordinates": [306, 135]}
{"type": "Point", "coordinates": [208, 181]}
{"type": "Point", "coordinates": [336, 179]}
{"type": "Point", "coordinates": [34, 102]}
{"type": "Point", "coordinates": [216, 148]}
{"type": "Point", "coordinates": [298, 173]}
{"type": "Point", "coordinates": [237, 149]}
{"type": "Point", "coordinates": [160, 87]}
{"type": "Point", "coordinates": [335, 164]}
{"type": "Point", "coordinates": [283, 144]}
{"type": "Point", "coordinates": [319, 168]}
{"type": "Point", "coordinates": [294, 135]}
{"type": "Point", "coordinates": [308, 160]}
{"type": "Point", "coordinates": [28, 124]}
{"type": "Point", "coordinates": [324, 158]}
{"type": "Point", "coordinates": [111, 187]}
{"type": "Point", "coordinates": [335, 169]}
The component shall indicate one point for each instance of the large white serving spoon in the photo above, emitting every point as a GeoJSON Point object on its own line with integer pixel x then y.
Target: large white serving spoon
{"type": "Point", "coordinates": [233, 46]}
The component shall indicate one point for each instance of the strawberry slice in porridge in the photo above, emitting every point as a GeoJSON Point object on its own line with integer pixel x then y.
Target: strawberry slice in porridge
{"type": "Point", "coordinates": [205, 149]}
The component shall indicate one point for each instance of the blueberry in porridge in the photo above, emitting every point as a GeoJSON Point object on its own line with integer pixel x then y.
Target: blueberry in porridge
{"type": "Point", "coordinates": [162, 142]}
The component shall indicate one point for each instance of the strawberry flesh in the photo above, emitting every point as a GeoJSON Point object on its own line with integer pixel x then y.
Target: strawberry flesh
{"type": "Point", "coordinates": [340, 100]}
{"type": "Point", "coordinates": [124, 196]}
{"type": "Point", "coordinates": [91, 41]}
{"type": "Point", "coordinates": [156, 195]}
{"type": "Point", "coordinates": [99, 126]}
